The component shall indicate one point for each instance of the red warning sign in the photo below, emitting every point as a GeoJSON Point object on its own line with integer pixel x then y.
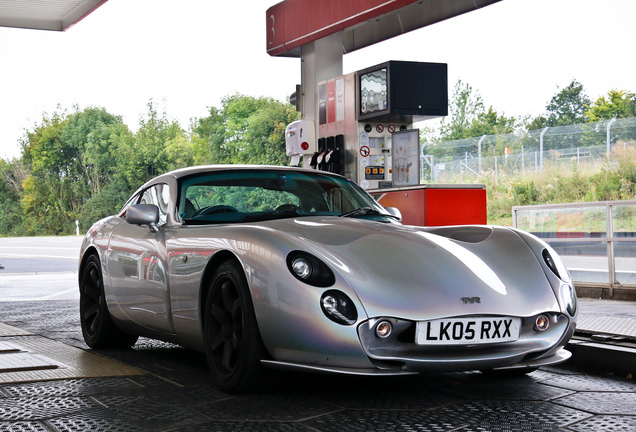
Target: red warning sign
{"type": "Point", "coordinates": [391, 128]}
{"type": "Point", "coordinates": [379, 128]}
{"type": "Point", "coordinates": [364, 151]}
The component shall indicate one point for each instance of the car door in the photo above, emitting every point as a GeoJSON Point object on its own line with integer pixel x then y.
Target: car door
{"type": "Point", "coordinates": [137, 262]}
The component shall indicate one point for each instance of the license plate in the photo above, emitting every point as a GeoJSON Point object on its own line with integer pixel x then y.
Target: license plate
{"type": "Point", "coordinates": [466, 331]}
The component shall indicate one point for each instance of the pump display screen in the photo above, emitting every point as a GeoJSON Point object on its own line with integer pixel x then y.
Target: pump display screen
{"type": "Point", "coordinates": [373, 91]}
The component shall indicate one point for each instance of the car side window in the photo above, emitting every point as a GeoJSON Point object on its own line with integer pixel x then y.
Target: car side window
{"type": "Point", "coordinates": [133, 200]}
{"type": "Point", "coordinates": [158, 195]}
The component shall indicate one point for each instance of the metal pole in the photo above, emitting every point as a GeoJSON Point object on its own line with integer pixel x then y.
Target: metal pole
{"type": "Point", "coordinates": [523, 162]}
{"type": "Point", "coordinates": [319, 61]}
{"type": "Point", "coordinates": [541, 148]}
{"type": "Point", "coordinates": [496, 173]}
{"type": "Point", "coordinates": [611, 265]}
{"type": "Point", "coordinates": [609, 138]}
{"type": "Point", "coordinates": [481, 140]}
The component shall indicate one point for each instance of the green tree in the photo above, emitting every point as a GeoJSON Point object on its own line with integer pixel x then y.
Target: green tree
{"type": "Point", "coordinates": [50, 202]}
{"type": "Point", "coordinates": [152, 149]}
{"type": "Point", "coordinates": [492, 123]}
{"type": "Point", "coordinates": [245, 130]}
{"type": "Point", "coordinates": [568, 106]}
{"type": "Point", "coordinates": [618, 104]}
{"type": "Point", "coordinates": [465, 107]}
{"type": "Point", "coordinates": [12, 174]}
{"type": "Point", "coordinates": [496, 125]}
{"type": "Point", "coordinates": [70, 159]}
{"type": "Point", "coordinates": [90, 132]}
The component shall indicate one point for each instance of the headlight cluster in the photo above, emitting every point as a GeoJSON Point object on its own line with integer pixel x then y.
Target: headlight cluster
{"type": "Point", "coordinates": [336, 305]}
{"type": "Point", "coordinates": [567, 292]}
{"type": "Point", "coordinates": [555, 265]}
{"type": "Point", "coordinates": [550, 262]}
{"type": "Point", "coordinates": [568, 298]}
{"type": "Point", "coordinates": [307, 268]}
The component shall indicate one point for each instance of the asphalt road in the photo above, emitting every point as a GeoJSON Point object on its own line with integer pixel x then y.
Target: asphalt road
{"type": "Point", "coordinates": [39, 268]}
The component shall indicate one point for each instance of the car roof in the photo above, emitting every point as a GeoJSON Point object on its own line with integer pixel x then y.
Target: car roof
{"type": "Point", "coordinates": [185, 172]}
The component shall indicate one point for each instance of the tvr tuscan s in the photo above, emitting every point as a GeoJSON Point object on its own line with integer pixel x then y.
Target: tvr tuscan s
{"type": "Point", "coordinates": [277, 267]}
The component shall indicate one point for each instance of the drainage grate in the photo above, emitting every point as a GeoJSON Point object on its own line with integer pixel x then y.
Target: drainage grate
{"type": "Point", "coordinates": [24, 361]}
{"type": "Point", "coordinates": [383, 421]}
{"type": "Point", "coordinates": [37, 408]}
{"type": "Point", "coordinates": [70, 387]}
{"type": "Point", "coordinates": [520, 414]}
{"type": "Point", "coordinates": [7, 330]}
{"type": "Point", "coordinates": [247, 427]}
{"type": "Point", "coordinates": [617, 326]}
{"type": "Point", "coordinates": [8, 347]}
{"type": "Point", "coordinates": [26, 426]}
{"type": "Point", "coordinates": [76, 363]}
{"type": "Point", "coordinates": [601, 403]}
{"type": "Point", "coordinates": [129, 419]}
{"type": "Point", "coordinates": [589, 383]}
{"type": "Point", "coordinates": [606, 424]}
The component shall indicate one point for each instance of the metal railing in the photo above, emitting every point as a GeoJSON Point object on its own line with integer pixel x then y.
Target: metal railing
{"type": "Point", "coordinates": [528, 151]}
{"type": "Point", "coordinates": [596, 241]}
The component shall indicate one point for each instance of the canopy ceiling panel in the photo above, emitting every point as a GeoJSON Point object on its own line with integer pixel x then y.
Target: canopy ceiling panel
{"type": "Point", "coordinates": [56, 15]}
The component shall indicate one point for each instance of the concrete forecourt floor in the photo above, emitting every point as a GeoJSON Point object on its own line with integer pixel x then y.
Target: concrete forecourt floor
{"type": "Point", "coordinates": [50, 381]}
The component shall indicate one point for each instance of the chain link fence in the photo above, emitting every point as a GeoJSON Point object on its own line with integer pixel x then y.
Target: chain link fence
{"type": "Point", "coordinates": [469, 159]}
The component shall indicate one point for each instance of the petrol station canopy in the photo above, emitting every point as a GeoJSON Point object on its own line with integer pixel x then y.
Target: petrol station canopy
{"type": "Point", "coordinates": [56, 15]}
{"type": "Point", "coordinates": [294, 23]}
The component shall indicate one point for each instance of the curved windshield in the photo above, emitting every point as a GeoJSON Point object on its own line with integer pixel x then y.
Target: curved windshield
{"type": "Point", "coordinates": [250, 196]}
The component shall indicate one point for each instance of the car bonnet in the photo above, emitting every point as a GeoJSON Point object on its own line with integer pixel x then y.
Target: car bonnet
{"type": "Point", "coordinates": [418, 273]}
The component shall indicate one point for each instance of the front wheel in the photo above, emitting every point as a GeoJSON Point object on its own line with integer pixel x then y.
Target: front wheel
{"type": "Point", "coordinates": [97, 326]}
{"type": "Point", "coordinates": [233, 344]}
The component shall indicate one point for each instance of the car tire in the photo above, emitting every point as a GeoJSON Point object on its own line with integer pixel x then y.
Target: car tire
{"type": "Point", "coordinates": [98, 328]}
{"type": "Point", "coordinates": [233, 345]}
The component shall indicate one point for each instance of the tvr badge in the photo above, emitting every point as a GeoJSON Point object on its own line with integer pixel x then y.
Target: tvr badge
{"type": "Point", "coordinates": [471, 300]}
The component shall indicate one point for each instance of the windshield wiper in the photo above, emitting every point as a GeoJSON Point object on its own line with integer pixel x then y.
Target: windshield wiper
{"type": "Point", "coordinates": [367, 211]}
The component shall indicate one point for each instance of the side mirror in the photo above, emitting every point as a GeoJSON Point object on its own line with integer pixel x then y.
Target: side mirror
{"type": "Point", "coordinates": [143, 214]}
{"type": "Point", "coordinates": [394, 211]}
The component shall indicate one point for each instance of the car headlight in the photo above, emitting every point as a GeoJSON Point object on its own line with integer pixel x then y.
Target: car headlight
{"type": "Point", "coordinates": [338, 307]}
{"type": "Point", "coordinates": [555, 264]}
{"type": "Point", "coordinates": [307, 268]}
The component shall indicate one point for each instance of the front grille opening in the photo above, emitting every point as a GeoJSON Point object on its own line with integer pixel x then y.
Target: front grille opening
{"type": "Point", "coordinates": [387, 364]}
{"type": "Point", "coordinates": [408, 335]}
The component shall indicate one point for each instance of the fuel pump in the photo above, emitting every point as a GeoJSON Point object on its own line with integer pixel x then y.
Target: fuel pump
{"type": "Point", "coordinates": [365, 132]}
{"type": "Point", "coordinates": [300, 140]}
{"type": "Point", "coordinates": [361, 115]}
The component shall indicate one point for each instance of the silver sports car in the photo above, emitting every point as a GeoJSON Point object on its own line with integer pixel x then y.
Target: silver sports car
{"type": "Point", "coordinates": [276, 267]}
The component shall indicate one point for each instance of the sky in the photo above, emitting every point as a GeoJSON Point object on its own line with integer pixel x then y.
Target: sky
{"type": "Point", "coordinates": [186, 56]}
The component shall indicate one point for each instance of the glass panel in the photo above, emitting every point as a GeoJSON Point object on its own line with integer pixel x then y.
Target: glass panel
{"type": "Point", "coordinates": [586, 261]}
{"type": "Point", "coordinates": [571, 222]}
{"type": "Point", "coordinates": [624, 220]}
{"type": "Point", "coordinates": [624, 223]}
{"type": "Point", "coordinates": [625, 262]}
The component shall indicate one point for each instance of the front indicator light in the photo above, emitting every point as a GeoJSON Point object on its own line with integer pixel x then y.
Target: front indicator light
{"type": "Point", "coordinates": [383, 329]}
{"type": "Point", "coordinates": [338, 307]}
{"type": "Point", "coordinates": [542, 323]}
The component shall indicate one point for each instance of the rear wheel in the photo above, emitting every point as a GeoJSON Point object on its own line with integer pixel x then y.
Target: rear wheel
{"type": "Point", "coordinates": [233, 344]}
{"type": "Point", "coordinates": [97, 326]}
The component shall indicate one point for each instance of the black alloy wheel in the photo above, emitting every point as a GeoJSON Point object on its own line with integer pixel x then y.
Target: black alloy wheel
{"type": "Point", "coordinates": [97, 326]}
{"type": "Point", "coordinates": [234, 347]}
